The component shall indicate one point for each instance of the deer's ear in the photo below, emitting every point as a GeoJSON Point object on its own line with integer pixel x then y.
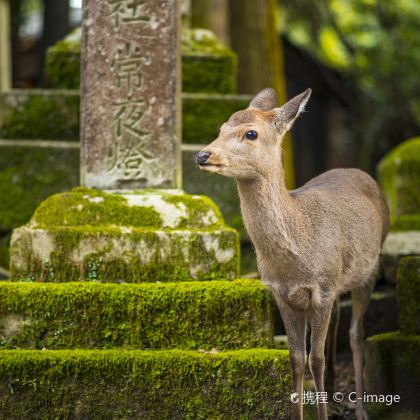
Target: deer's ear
{"type": "Point", "coordinates": [266, 100]}
{"type": "Point", "coordinates": [287, 114]}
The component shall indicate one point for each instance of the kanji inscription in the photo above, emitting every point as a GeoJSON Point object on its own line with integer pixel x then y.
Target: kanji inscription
{"type": "Point", "coordinates": [130, 94]}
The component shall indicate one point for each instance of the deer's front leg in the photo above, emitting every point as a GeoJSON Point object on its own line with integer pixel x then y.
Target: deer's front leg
{"type": "Point", "coordinates": [319, 320]}
{"type": "Point", "coordinates": [295, 324]}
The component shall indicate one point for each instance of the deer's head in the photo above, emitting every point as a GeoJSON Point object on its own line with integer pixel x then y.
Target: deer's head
{"type": "Point", "coordinates": [249, 142]}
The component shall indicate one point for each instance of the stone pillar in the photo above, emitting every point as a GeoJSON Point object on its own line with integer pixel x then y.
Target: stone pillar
{"type": "Point", "coordinates": [5, 57]}
{"type": "Point", "coordinates": [130, 94]}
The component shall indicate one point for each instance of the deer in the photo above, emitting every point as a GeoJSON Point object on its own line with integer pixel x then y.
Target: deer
{"type": "Point", "coordinates": [312, 244]}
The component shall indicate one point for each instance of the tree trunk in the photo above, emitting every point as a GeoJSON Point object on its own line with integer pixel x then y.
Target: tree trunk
{"type": "Point", "coordinates": [254, 37]}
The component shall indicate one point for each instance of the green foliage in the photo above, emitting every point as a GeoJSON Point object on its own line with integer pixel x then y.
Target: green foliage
{"type": "Point", "coordinates": [140, 384]}
{"type": "Point", "coordinates": [374, 43]}
{"type": "Point", "coordinates": [189, 315]}
{"type": "Point", "coordinates": [408, 293]}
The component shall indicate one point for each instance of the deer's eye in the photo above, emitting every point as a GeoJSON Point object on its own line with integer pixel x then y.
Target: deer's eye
{"type": "Point", "coordinates": [251, 135]}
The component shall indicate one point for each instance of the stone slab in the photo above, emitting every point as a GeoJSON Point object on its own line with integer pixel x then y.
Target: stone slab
{"type": "Point", "coordinates": [252, 384]}
{"type": "Point", "coordinates": [130, 95]}
{"type": "Point", "coordinates": [392, 367]}
{"type": "Point", "coordinates": [190, 315]}
{"type": "Point", "coordinates": [408, 288]}
{"type": "Point", "coordinates": [151, 235]}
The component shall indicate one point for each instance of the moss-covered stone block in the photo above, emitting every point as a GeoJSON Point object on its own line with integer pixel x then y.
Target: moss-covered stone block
{"type": "Point", "coordinates": [39, 114]}
{"type": "Point", "coordinates": [203, 114]}
{"type": "Point", "coordinates": [392, 367]}
{"type": "Point", "coordinates": [29, 173]}
{"type": "Point", "coordinates": [408, 293]}
{"type": "Point", "coordinates": [149, 235]}
{"type": "Point", "coordinates": [62, 62]}
{"type": "Point", "coordinates": [54, 114]}
{"type": "Point", "coordinates": [207, 64]}
{"type": "Point", "coordinates": [189, 315]}
{"type": "Point", "coordinates": [243, 384]}
{"type": "Point", "coordinates": [399, 176]}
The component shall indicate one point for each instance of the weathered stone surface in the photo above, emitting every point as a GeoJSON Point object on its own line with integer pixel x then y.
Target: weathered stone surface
{"type": "Point", "coordinates": [140, 236]}
{"type": "Point", "coordinates": [408, 288]}
{"type": "Point", "coordinates": [392, 367]}
{"type": "Point", "coordinates": [207, 65]}
{"type": "Point", "coordinates": [100, 384]}
{"type": "Point", "coordinates": [399, 176]}
{"type": "Point", "coordinates": [130, 103]}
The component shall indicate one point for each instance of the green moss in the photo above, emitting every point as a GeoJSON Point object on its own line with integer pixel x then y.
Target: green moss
{"type": "Point", "coordinates": [62, 67]}
{"type": "Point", "coordinates": [207, 64]}
{"type": "Point", "coordinates": [399, 175]}
{"type": "Point", "coordinates": [85, 206]}
{"type": "Point", "coordinates": [140, 384]}
{"type": "Point", "coordinates": [192, 315]}
{"type": "Point", "coordinates": [202, 115]}
{"type": "Point", "coordinates": [406, 222]}
{"type": "Point", "coordinates": [28, 175]}
{"type": "Point", "coordinates": [408, 294]}
{"type": "Point", "coordinates": [392, 367]}
{"type": "Point", "coordinates": [39, 114]}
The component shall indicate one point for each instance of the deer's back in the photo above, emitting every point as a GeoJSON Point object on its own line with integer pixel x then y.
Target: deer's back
{"type": "Point", "coordinates": [349, 196]}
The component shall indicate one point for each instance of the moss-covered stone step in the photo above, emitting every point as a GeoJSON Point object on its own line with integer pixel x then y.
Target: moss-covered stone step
{"type": "Point", "coordinates": [148, 235]}
{"type": "Point", "coordinates": [207, 64]}
{"type": "Point", "coordinates": [243, 384]}
{"type": "Point", "coordinates": [54, 114]}
{"type": "Point", "coordinates": [191, 315]}
{"type": "Point", "coordinates": [392, 367]}
{"type": "Point", "coordinates": [408, 290]}
{"type": "Point", "coordinates": [31, 171]}
{"type": "Point", "coordinates": [399, 176]}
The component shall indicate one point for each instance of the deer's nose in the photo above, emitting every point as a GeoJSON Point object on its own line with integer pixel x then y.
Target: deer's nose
{"type": "Point", "coordinates": [202, 158]}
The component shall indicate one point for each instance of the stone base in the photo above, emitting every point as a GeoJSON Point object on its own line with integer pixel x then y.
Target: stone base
{"type": "Point", "coordinates": [152, 235]}
{"type": "Point", "coordinates": [188, 315]}
{"type": "Point", "coordinates": [80, 384]}
{"type": "Point", "coordinates": [392, 367]}
{"type": "Point", "coordinates": [397, 245]}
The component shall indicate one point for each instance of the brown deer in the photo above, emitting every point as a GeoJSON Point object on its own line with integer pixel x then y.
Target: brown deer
{"type": "Point", "coordinates": [312, 243]}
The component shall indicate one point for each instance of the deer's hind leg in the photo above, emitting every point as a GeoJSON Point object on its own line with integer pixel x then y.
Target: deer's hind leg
{"type": "Point", "coordinates": [319, 318]}
{"type": "Point", "coordinates": [360, 300]}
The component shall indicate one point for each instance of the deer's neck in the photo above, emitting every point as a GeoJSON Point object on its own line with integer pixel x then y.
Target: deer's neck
{"type": "Point", "coordinates": [271, 215]}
